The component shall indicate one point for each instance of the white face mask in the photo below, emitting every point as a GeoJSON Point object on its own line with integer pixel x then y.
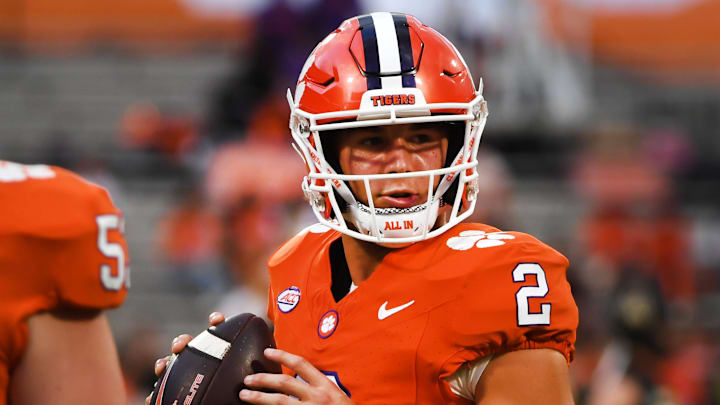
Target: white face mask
{"type": "Point", "coordinates": [389, 226]}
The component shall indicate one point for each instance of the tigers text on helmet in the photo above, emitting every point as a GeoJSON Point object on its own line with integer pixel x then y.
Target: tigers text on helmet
{"type": "Point", "coordinates": [386, 69]}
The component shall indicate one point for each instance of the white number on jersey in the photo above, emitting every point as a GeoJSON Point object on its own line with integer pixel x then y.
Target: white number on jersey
{"type": "Point", "coordinates": [524, 316]}
{"type": "Point", "coordinates": [111, 251]}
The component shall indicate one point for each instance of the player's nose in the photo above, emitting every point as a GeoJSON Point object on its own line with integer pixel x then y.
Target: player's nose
{"type": "Point", "coordinates": [397, 158]}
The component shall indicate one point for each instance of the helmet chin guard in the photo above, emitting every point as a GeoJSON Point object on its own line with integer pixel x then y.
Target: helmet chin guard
{"type": "Point", "coordinates": [338, 89]}
{"type": "Point", "coordinates": [394, 223]}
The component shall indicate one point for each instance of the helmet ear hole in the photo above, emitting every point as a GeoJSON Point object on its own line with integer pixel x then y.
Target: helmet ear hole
{"type": "Point", "coordinates": [331, 153]}
{"type": "Point", "coordinates": [456, 139]}
{"type": "Point", "coordinates": [449, 196]}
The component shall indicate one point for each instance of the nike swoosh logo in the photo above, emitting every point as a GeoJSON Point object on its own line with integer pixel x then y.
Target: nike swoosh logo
{"type": "Point", "coordinates": [383, 312]}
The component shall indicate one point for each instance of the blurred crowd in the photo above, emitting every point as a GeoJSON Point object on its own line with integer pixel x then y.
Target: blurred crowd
{"type": "Point", "coordinates": [645, 261]}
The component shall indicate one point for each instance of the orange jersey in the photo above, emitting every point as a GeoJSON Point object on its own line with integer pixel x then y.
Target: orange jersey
{"type": "Point", "coordinates": [427, 309]}
{"type": "Point", "coordinates": [60, 246]}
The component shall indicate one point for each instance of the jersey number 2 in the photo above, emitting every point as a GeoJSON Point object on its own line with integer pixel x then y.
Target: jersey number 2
{"type": "Point", "coordinates": [523, 295]}
{"type": "Point", "coordinates": [106, 223]}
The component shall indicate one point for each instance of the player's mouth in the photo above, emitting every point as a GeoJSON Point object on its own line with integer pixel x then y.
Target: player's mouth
{"type": "Point", "coordinates": [399, 199]}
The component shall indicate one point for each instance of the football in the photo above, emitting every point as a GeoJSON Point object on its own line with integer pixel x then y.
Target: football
{"type": "Point", "coordinates": [211, 369]}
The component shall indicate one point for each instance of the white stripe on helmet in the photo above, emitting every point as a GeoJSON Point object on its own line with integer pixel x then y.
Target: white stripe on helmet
{"type": "Point", "coordinates": [388, 49]}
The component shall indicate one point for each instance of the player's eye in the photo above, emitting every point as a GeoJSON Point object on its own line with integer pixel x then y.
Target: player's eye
{"type": "Point", "coordinates": [421, 138]}
{"type": "Point", "coordinates": [424, 139]}
{"type": "Point", "coordinates": [371, 141]}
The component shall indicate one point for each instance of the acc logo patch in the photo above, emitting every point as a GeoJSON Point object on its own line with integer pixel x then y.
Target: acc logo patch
{"type": "Point", "coordinates": [479, 239]}
{"type": "Point", "coordinates": [288, 299]}
{"type": "Point", "coordinates": [328, 323]}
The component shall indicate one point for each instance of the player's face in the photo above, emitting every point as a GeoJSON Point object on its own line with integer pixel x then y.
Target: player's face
{"type": "Point", "coordinates": [393, 149]}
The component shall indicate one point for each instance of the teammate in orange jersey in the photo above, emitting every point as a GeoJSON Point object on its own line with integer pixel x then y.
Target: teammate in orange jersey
{"type": "Point", "coordinates": [62, 261]}
{"type": "Point", "coordinates": [390, 299]}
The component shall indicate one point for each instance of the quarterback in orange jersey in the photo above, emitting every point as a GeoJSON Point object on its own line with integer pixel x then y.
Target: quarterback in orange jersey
{"type": "Point", "coordinates": [391, 299]}
{"type": "Point", "coordinates": [63, 259]}
{"type": "Point", "coordinates": [427, 309]}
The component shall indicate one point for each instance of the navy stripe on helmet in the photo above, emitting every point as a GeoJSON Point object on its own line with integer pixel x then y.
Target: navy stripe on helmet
{"type": "Point", "coordinates": [407, 64]}
{"type": "Point", "coordinates": [370, 49]}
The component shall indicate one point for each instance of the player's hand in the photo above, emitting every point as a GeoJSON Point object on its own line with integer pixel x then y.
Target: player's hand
{"type": "Point", "coordinates": [178, 344]}
{"type": "Point", "coordinates": [315, 389]}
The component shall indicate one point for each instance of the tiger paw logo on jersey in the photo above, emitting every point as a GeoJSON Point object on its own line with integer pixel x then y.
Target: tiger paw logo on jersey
{"type": "Point", "coordinates": [328, 323]}
{"type": "Point", "coordinates": [288, 299]}
{"type": "Point", "coordinates": [479, 239]}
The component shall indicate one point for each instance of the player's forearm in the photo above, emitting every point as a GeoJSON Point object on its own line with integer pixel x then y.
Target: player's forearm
{"type": "Point", "coordinates": [535, 376]}
{"type": "Point", "coordinates": [69, 360]}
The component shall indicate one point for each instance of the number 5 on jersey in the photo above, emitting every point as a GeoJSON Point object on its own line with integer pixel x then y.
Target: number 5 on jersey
{"type": "Point", "coordinates": [111, 250]}
{"type": "Point", "coordinates": [523, 295]}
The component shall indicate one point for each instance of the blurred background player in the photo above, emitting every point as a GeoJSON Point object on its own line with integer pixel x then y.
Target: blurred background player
{"type": "Point", "coordinates": [388, 120]}
{"type": "Point", "coordinates": [63, 261]}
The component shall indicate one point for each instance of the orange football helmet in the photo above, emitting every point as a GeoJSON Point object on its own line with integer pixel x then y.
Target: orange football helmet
{"type": "Point", "coordinates": [386, 69]}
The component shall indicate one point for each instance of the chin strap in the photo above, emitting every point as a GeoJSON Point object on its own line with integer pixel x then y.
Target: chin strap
{"type": "Point", "coordinates": [448, 178]}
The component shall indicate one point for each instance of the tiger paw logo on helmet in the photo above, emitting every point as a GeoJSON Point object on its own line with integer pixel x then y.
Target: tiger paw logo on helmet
{"type": "Point", "coordinates": [387, 69]}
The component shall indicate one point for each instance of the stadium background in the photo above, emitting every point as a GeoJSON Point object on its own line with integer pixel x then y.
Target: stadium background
{"type": "Point", "coordinates": [603, 140]}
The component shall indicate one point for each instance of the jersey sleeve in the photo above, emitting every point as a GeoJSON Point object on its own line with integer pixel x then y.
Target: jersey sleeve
{"type": "Point", "coordinates": [517, 298]}
{"type": "Point", "coordinates": [91, 269]}
{"type": "Point", "coordinates": [62, 242]}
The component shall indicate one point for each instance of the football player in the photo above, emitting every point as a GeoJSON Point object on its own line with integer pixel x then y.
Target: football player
{"type": "Point", "coordinates": [63, 260]}
{"type": "Point", "coordinates": [390, 299]}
